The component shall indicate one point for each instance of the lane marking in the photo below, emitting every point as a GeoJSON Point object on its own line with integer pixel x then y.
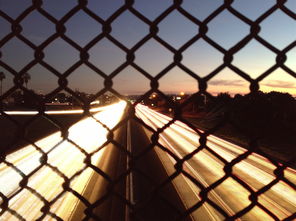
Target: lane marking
{"type": "Point", "coordinates": [129, 189]}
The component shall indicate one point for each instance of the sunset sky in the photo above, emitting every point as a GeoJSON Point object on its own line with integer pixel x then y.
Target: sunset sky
{"type": "Point", "coordinates": [278, 29]}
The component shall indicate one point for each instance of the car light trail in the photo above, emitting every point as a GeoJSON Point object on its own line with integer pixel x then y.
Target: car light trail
{"type": "Point", "coordinates": [255, 170]}
{"type": "Point", "coordinates": [55, 112]}
{"type": "Point", "coordinates": [89, 135]}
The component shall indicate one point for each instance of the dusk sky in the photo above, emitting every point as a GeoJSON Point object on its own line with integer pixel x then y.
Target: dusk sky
{"type": "Point", "coordinates": [278, 29]}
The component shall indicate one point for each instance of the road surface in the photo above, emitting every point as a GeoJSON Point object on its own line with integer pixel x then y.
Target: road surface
{"type": "Point", "coordinates": [207, 167]}
{"type": "Point", "coordinates": [153, 195]}
{"type": "Point", "coordinates": [65, 161]}
{"type": "Point", "coordinates": [141, 182]}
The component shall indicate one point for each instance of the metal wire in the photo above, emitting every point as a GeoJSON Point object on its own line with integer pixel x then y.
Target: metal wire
{"type": "Point", "coordinates": [203, 26]}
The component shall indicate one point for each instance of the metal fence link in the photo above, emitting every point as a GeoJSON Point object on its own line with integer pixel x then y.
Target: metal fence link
{"type": "Point", "coordinates": [202, 82]}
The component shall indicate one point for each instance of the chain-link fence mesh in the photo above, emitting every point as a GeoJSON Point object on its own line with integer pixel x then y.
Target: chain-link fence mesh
{"type": "Point", "coordinates": [115, 190]}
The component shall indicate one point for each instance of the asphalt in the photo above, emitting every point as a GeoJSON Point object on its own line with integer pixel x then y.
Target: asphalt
{"type": "Point", "coordinates": [153, 201]}
{"type": "Point", "coordinates": [148, 201]}
{"type": "Point", "coordinates": [106, 196]}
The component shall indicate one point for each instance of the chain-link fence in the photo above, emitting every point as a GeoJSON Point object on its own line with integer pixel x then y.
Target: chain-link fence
{"type": "Point", "coordinates": [127, 176]}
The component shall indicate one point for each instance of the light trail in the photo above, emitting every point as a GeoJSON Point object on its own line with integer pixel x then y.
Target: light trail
{"type": "Point", "coordinates": [256, 171]}
{"type": "Point", "coordinates": [55, 112]}
{"type": "Point", "coordinates": [89, 135]}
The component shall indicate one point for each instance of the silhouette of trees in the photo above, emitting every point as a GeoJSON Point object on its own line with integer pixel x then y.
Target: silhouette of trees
{"type": "Point", "coordinates": [260, 109]}
{"type": "Point", "coordinates": [31, 99]}
{"type": "Point", "coordinates": [223, 97]}
{"type": "Point", "coordinates": [27, 99]}
{"type": "Point", "coordinates": [17, 97]}
{"type": "Point", "coordinates": [270, 117]}
{"type": "Point", "coordinates": [61, 97]}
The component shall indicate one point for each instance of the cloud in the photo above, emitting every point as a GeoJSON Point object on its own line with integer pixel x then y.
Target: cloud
{"type": "Point", "coordinates": [280, 84]}
{"type": "Point", "coordinates": [228, 82]}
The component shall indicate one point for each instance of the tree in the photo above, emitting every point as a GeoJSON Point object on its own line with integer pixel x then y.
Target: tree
{"type": "Point", "coordinates": [26, 77]}
{"type": "Point", "coordinates": [223, 97]}
{"type": "Point", "coordinates": [2, 77]}
{"type": "Point", "coordinates": [61, 97]}
{"type": "Point", "coordinates": [18, 97]}
{"type": "Point", "coordinates": [31, 99]}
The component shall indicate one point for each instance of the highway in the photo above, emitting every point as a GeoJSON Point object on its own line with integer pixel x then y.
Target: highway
{"type": "Point", "coordinates": [148, 188]}
{"type": "Point", "coordinates": [62, 157]}
{"type": "Point", "coordinates": [152, 199]}
{"type": "Point", "coordinates": [255, 171]}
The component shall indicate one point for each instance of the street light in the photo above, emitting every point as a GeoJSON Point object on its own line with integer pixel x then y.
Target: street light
{"type": "Point", "coordinates": [2, 77]}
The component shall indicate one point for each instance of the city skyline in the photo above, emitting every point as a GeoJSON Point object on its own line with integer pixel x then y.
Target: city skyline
{"type": "Point", "coordinates": [201, 58]}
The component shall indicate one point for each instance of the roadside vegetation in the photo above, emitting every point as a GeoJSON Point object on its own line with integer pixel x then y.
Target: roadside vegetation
{"type": "Point", "coordinates": [268, 119]}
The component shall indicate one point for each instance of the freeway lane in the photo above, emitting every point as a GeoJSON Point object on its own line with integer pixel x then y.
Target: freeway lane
{"type": "Point", "coordinates": [256, 171]}
{"type": "Point", "coordinates": [149, 170]}
{"type": "Point", "coordinates": [37, 126]}
{"type": "Point", "coordinates": [64, 157]}
{"type": "Point", "coordinates": [147, 174]}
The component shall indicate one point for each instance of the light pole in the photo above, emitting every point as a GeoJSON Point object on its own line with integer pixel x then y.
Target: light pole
{"type": "Point", "coordinates": [26, 78]}
{"type": "Point", "coordinates": [2, 77]}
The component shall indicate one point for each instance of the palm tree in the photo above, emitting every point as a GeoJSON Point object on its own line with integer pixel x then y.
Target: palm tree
{"type": "Point", "coordinates": [2, 77]}
{"type": "Point", "coordinates": [26, 77]}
